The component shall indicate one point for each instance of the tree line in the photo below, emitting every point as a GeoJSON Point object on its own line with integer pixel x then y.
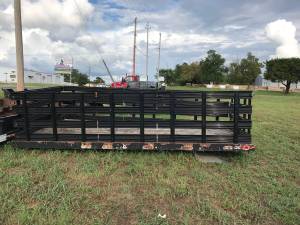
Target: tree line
{"type": "Point", "coordinates": [81, 78]}
{"type": "Point", "coordinates": [212, 69]}
{"type": "Point", "coordinates": [244, 72]}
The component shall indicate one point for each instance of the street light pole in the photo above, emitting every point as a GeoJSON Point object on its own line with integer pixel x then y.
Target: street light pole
{"type": "Point", "coordinates": [19, 45]}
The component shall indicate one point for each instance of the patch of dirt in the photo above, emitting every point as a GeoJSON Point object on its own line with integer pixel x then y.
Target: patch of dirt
{"type": "Point", "coordinates": [33, 204]}
{"type": "Point", "coordinates": [70, 162]}
{"type": "Point", "coordinates": [15, 171]}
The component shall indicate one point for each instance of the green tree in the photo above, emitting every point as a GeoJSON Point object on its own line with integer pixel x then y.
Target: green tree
{"type": "Point", "coordinates": [79, 78]}
{"type": "Point", "coordinates": [190, 72]}
{"type": "Point", "coordinates": [212, 68]}
{"type": "Point", "coordinates": [234, 73]}
{"type": "Point", "coordinates": [66, 78]}
{"type": "Point", "coordinates": [250, 68]}
{"type": "Point", "coordinates": [184, 73]}
{"type": "Point", "coordinates": [245, 71]}
{"type": "Point", "coordinates": [178, 73]}
{"type": "Point", "coordinates": [99, 80]}
{"type": "Point", "coordinates": [286, 71]}
{"type": "Point", "coordinates": [169, 75]}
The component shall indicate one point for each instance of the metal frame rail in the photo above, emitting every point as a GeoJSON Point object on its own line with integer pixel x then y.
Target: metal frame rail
{"type": "Point", "coordinates": [190, 120]}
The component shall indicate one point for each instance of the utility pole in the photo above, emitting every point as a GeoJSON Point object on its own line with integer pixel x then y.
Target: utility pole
{"type": "Point", "coordinates": [19, 45]}
{"type": "Point", "coordinates": [147, 50]}
{"type": "Point", "coordinates": [89, 75]}
{"type": "Point", "coordinates": [134, 47]}
{"type": "Point", "coordinates": [71, 71]}
{"type": "Point", "coordinates": [158, 61]}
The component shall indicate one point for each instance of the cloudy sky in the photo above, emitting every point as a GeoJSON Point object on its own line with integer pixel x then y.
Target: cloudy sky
{"type": "Point", "coordinates": [91, 30]}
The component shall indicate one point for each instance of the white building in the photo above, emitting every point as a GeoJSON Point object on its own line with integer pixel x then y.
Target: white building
{"type": "Point", "coordinates": [262, 82]}
{"type": "Point", "coordinates": [31, 76]}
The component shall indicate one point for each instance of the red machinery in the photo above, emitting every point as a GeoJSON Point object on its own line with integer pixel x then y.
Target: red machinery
{"type": "Point", "coordinates": [133, 80]}
{"type": "Point", "coordinates": [119, 84]}
{"type": "Point", "coordinates": [126, 82]}
{"type": "Point", "coordinates": [129, 81]}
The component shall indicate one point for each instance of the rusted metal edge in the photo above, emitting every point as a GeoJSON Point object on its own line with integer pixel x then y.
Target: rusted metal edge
{"type": "Point", "coordinates": [134, 146]}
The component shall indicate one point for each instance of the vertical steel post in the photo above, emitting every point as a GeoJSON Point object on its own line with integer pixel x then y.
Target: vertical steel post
{"type": "Point", "coordinates": [245, 104]}
{"type": "Point", "coordinates": [26, 119]}
{"type": "Point", "coordinates": [82, 115]}
{"type": "Point", "coordinates": [172, 116]}
{"type": "Point", "coordinates": [236, 117]}
{"type": "Point", "coordinates": [155, 104]}
{"type": "Point", "coordinates": [217, 117]}
{"type": "Point", "coordinates": [203, 117]}
{"type": "Point", "coordinates": [53, 115]}
{"type": "Point", "coordinates": [142, 128]}
{"type": "Point", "coordinates": [112, 116]}
{"type": "Point", "coordinates": [249, 115]}
{"type": "Point", "coordinates": [195, 116]}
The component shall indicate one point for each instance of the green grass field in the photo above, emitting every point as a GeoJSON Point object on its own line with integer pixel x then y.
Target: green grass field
{"type": "Point", "coordinates": [262, 187]}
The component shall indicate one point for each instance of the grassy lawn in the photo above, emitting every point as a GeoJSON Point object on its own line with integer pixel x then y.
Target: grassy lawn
{"type": "Point", "coordinates": [262, 187]}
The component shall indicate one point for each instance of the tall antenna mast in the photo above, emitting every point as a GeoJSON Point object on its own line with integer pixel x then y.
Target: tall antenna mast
{"type": "Point", "coordinates": [72, 68]}
{"type": "Point", "coordinates": [158, 61]}
{"type": "Point", "coordinates": [134, 47]}
{"type": "Point", "coordinates": [89, 75]}
{"type": "Point", "coordinates": [19, 45]}
{"type": "Point", "coordinates": [147, 50]}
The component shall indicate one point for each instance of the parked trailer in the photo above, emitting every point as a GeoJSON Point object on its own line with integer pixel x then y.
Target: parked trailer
{"type": "Point", "coordinates": [133, 119]}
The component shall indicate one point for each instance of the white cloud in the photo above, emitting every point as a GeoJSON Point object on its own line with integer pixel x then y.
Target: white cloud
{"type": "Point", "coordinates": [6, 47]}
{"type": "Point", "coordinates": [183, 39]}
{"type": "Point", "coordinates": [54, 13]}
{"type": "Point", "coordinates": [234, 27]}
{"type": "Point", "coordinates": [115, 47]}
{"type": "Point", "coordinates": [62, 18]}
{"type": "Point", "coordinates": [6, 18]}
{"type": "Point", "coordinates": [284, 33]}
{"type": "Point", "coordinates": [58, 28]}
